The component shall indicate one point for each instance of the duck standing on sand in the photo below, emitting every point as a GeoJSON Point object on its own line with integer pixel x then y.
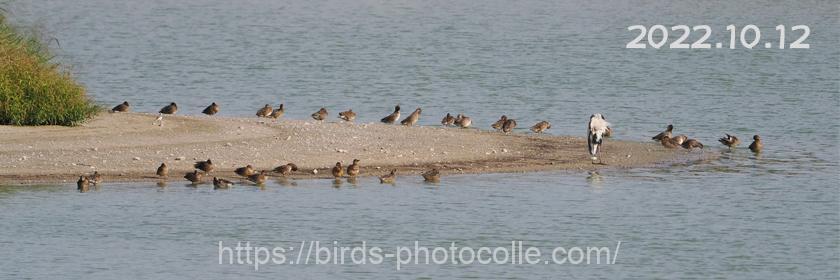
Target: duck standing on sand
{"type": "Point", "coordinates": [412, 118]}
{"type": "Point", "coordinates": [448, 120]}
{"type": "Point", "coordinates": [162, 170]}
{"type": "Point", "coordinates": [691, 144]}
{"type": "Point", "coordinates": [389, 178]}
{"type": "Point", "coordinates": [597, 127]}
{"type": "Point", "coordinates": [680, 139]}
{"type": "Point", "coordinates": [463, 121]}
{"type": "Point", "coordinates": [756, 145]}
{"type": "Point", "coordinates": [354, 169]}
{"type": "Point", "coordinates": [338, 170]}
{"type": "Point", "coordinates": [669, 142]}
{"type": "Point", "coordinates": [286, 169]}
{"type": "Point", "coordinates": [258, 178]}
{"type": "Point", "coordinates": [509, 125]}
{"type": "Point", "coordinates": [169, 109]}
{"type": "Point", "coordinates": [219, 183]}
{"type": "Point", "coordinates": [540, 127]}
{"type": "Point", "coordinates": [264, 111]}
{"type": "Point", "coordinates": [211, 110]}
{"type": "Point", "coordinates": [245, 171]}
{"type": "Point", "coordinates": [277, 113]}
{"type": "Point", "coordinates": [431, 175]}
{"type": "Point", "coordinates": [730, 141]}
{"type": "Point", "coordinates": [348, 115]}
{"type": "Point", "coordinates": [83, 185]}
{"type": "Point", "coordinates": [206, 166]}
{"type": "Point", "coordinates": [320, 115]}
{"type": "Point", "coordinates": [121, 108]}
{"type": "Point", "coordinates": [667, 132]}
{"type": "Point", "coordinates": [390, 119]}
{"type": "Point", "coordinates": [193, 177]}
{"type": "Point", "coordinates": [498, 124]}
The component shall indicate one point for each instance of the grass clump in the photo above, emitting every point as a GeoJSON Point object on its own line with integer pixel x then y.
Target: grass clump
{"type": "Point", "coordinates": [34, 90]}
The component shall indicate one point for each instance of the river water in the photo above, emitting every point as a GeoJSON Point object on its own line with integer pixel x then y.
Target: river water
{"type": "Point", "coordinates": [770, 216]}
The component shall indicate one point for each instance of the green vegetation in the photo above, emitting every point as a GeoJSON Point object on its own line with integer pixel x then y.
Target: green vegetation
{"type": "Point", "coordinates": [34, 90]}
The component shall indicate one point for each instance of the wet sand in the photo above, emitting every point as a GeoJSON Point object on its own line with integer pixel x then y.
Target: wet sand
{"type": "Point", "coordinates": [130, 147]}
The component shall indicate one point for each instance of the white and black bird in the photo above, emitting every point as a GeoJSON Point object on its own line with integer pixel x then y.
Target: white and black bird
{"type": "Point", "coordinates": [597, 127]}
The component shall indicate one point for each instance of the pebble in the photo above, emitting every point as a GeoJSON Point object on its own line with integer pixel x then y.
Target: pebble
{"type": "Point", "coordinates": [504, 150]}
{"type": "Point", "coordinates": [314, 171]}
{"type": "Point", "coordinates": [180, 158]}
{"type": "Point", "coordinates": [228, 144]}
{"type": "Point", "coordinates": [136, 158]}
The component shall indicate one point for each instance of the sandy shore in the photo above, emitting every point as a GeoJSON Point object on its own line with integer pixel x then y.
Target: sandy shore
{"type": "Point", "coordinates": [129, 147]}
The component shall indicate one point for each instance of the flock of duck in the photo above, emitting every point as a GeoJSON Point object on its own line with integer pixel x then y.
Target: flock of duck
{"type": "Point", "coordinates": [598, 129]}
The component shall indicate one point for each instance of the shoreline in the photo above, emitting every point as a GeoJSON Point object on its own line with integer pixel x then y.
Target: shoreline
{"type": "Point", "coordinates": [128, 147]}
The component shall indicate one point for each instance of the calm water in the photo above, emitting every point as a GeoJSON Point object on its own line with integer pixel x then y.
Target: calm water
{"type": "Point", "coordinates": [776, 215]}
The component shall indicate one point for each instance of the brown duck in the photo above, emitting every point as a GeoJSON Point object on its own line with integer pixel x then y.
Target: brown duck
{"type": "Point", "coordinates": [320, 115]}
{"type": "Point", "coordinates": [388, 178]}
{"type": "Point", "coordinates": [540, 127]}
{"type": "Point", "coordinates": [509, 125]}
{"type": "Point", "coordinates": [265, 111]}
{"type": "Point", "coordinates": [220, 183]}
{"type": "Point", "coordinates": [498, 124]}
{"type": "Point", "coordinates": [412, 118]}
{"type": "Point", "coordinates": [338, 170]}
{"type": "Point", "coordinates": [431, 175]}
{"type": "Point", "coordinates": [83, 185]}
{"type": "Point", "coordinates": [121, 108]}
{"type": "Point", "coordinates": [169, 109]}
{"type": "Point", "coordinates": [211, 110]}
{"type": "Point", "coordinates": [448, 120]}
{"type": "Point", "coordinates": [206, 166]}
{"type": "Point", "coordinates": [756, 145]}
{"type": "Point", "coordinates": [680, 139]}
{"type": "Point", "coordinates": [691, 144]}
{"type": "Point", "coordinates": [730, 141]}
{"type": "Point", "coordinates": [390, 119]}
{"type": "Point", "coordinates": [348, 115]}
{"type": "Point", "coordinates": [354, 168]}
{"type": "Point", "coordinates": [463, 121]}
{"type": "Point", "coordinates": [245, 171]}
{"type": "Point", "coordinates": [667, 132]}
{"type": "Point", "coordinates": [277, 113]}
{"type": "Point", "coordinates": [258, 178]}
{"type": "Point", "coordinates": [96, 178]}
{"type": "Point", "coordinates": [193, 177]}
{"type": "Point", "coordinates": [668, 142]}
{"type": "Point", "coordinates": [162, 170]}
{"type": "Point", "coordinates": [286, 169]}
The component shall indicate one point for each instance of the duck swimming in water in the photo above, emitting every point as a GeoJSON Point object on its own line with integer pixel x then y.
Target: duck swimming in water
{"type": "Point", "coordinates": [258, 178]}
{"type": "Point", "coordinates": [338, 170]}
{"type": "Point", "coordinates": [286, 169]}
{"type": "Point", "coordinates": [96, 178]}
{"type": "Point", "coordinates": [389, 178]}
{"type": "Point", "coordinates": [667, 132]}
{"type": "Point", "coordinates": [730, 141]}
{"type": "Point", "coordinates": [83, 185]}
{"type": "Point", "coordinates": [320, 115]}
{"type": "Point", "coordinates": [348, 115]}
{"type": "Point", "coordinates": [211, 110]}
{"type": "Point", "coordinates": [540, 127]}
{"type": "Point", "coordinates": [756, 145]}
{"type": "Point", "coordinates": [393, 117]}
{"type": "Point", "coordinates": [245, 171]}
{"type": "Point", "coordinates": [498, 124]}
{"type": "Point", "coordinates": [193, 177]}
{"type": "Point", "coordinates": [169, 109]}
{"type": "Point", "coordinates": [121, 108]}
{"type": "Point", "coordinates": [220, 183]}
{"type": "Point", "coordinates": [354, 169]}
{"type": "Point", "coordinates": [431, 175]}
{"type": "Point", "coordinates": [412, 118]}
{"type": "Point", "coordinates": [162, 170]}
{"type": "Point", "coordinates": [264, 111]}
